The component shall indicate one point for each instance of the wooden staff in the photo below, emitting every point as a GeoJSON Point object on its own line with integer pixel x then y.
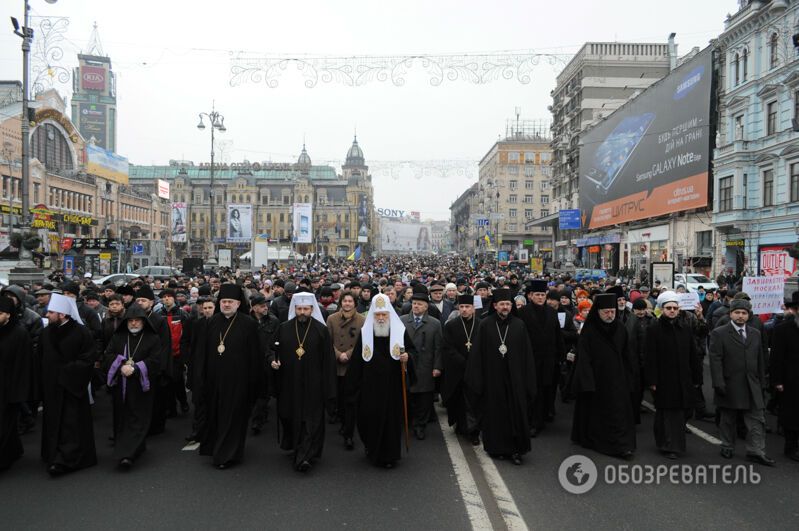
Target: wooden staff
{"type": "Point", "coordinates": [403, 366]}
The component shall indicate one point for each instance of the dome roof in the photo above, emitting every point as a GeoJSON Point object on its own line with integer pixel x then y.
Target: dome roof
{"type": "Point", "coordinates": [305, 159]}
{"type": "Point", "coordinates": [355, 154]}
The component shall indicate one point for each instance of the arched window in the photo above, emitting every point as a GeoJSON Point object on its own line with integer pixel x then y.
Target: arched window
{"type": "Point", "coordinates": [772, 51]}
{"type": "Point", "coordinates": [744, 64]}
{"type": "Point", "coordinates": [51, 148]}
{"type": "Point", "coordinates": [736, 68]}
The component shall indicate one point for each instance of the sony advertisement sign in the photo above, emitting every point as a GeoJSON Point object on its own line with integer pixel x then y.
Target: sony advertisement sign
{"type": "Point", "coordinates": [651, 156]}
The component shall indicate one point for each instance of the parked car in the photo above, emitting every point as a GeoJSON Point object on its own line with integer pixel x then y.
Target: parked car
{"type": "Point", "coordinates": [116, 279]}
{"type": "Point", "coordinates": [582, 274]}
{"type": "Point", "coordinates": [158, 272]}
{"type": "Point", "coordinates": [692, 281]}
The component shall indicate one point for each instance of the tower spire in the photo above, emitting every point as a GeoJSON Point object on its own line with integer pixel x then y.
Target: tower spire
{"type": "Point", "coordinates": [95, 46]}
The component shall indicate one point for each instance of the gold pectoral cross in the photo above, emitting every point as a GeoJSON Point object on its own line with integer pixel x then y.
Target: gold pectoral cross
{"type": "Point", "coordinates": [300, 351]}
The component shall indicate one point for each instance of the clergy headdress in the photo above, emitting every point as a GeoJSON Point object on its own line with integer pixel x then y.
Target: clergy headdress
{"type": "Point", "coordinates": [305, 299]}
{"type": "Point", "coordinates": [63, 304]}
{"type": "Point", "coordinates": [382, 304]}
{"type": "Point", "coordinates": [667, 296]}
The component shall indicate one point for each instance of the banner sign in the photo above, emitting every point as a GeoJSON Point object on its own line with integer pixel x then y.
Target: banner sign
{"type": "Point", "coordinates": [775, 261]}
{"type": "Point", "coordinates": [239, 223]}
{"type": "Point", "coordinates": [766, 293]}
{"type": "Point", "coordinates": [178, 222]}
{"type": "Point", "coordinates": [303, 223]}
{"type": "Point", "coordinates": [569, 219]}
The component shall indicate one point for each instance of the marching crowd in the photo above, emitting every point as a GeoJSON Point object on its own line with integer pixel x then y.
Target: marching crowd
{"type": "Point", "coordinates": [372, 345]}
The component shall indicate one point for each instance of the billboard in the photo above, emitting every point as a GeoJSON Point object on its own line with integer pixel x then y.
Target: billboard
{"type": "Point", "coordinates": [179, 222]}
{"type": "Point", "coordinates": [302, 223]}
{"type": "Point", "coordinates": [92, 121]}
{"type": "Point", "coordinates": [163, 189]}
{"type": "Point", "coordinates": [569, 219]}
{"type": "Point", "coordinates": [776, 262]}
{"type": "Point", "coordinates": [239, 223]}
{"type": "Point", "coordinates": [406, 237]}
{"type": "Point", "coordinates": [92, 78]}
{"type": "Point", "coordinates": [651, 156]}
{"type": "Point", "coordinates": [363, 218]}
{"type": "Point", "coordinates": [106, 164]}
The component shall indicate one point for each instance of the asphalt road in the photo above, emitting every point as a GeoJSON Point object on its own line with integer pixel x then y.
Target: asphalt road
{"type": "Point", "coordinates": [178, 489]}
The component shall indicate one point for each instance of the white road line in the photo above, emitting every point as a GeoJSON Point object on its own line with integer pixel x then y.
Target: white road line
{"type": "Point", "coordinates": [693, 429]}
{"type": "Point", "coordinates": [507, 506]}
{"type": "Point", "coordinates": [471, 496]}
{"type": "Point", "coordinates": [191, 447]}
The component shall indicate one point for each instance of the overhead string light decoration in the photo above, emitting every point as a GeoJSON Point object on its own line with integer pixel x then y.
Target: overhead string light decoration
{"type": "Point", "coordinates": [47, 53]}
{"type": "Point", "coordinates": [478, 68]}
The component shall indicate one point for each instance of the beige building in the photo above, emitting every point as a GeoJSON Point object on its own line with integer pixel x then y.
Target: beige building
{"type": "Point", "coordinates": [463, 228]}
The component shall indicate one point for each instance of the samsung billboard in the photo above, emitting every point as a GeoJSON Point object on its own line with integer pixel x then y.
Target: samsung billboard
{"type": "Point", "coordinates": [652, 156]}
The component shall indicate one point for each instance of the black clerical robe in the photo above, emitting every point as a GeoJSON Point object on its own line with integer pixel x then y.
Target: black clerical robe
{"type": "Point", "coordinates": [460, 340]}
{"type": "Point", "coordinates": [604, 380]}
{"type": "Point", "coordinates": [307, 384]}
{"type": "Point", "coordinates": [504, 386]}
{"type": "Point", "coordinates": [67, 353]}
{"type": "Point", "coordinates": [375, 387]}
{"type": "Point", "coordinates": [228, 382]}
{"type": "Point", "coordinates": [16, 358]}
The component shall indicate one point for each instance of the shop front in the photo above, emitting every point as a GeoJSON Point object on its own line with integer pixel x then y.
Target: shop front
{"type": "Point", "coordinates": [600, 252]}
{"type": "Point", "coordinates": [735, 255]}
{"type": "Point", "coordinates": [647, 245]}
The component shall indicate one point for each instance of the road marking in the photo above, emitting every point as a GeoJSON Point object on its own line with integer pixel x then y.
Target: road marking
{"type": "Point", "coordinates": [191, 447]}
{"type": "Point", "coordinates": [507, 506]}
{"type": "Point", "coordinates": [693, 429]}
{"type": "Point", "coordinates": [478, 516]}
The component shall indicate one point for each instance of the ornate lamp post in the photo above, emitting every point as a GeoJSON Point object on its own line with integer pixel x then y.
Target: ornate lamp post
{"type": "Point", "coordinates": [217, 122]}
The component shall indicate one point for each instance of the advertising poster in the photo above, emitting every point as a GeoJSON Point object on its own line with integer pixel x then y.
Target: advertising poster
{"type": "Point", "coordinates": [179, 222]}
{"type": "Point", "coordinates": [239, 221]}
{"type": "Point", "coordinates": [363, 218]}
{"type": "Point", "coordinates": [225, 258]}
{"type": "Point", "coordinates": [650, 157]}
{"type": "Point", "coordinates": [106, 164]}
{"type": "Point", "coordinates": [766, 293]}
{"type": "Point", "coordinates": [105, 264]}
{"type": "Point", "coordinates": [664, 272]}
{"type": "Point", "coordinates": [406, 237]}
{"type": "Point", "coordinates": [163, 189]}
{"type": "Point", "coordinates": [776, 262]}
{"type": "Point", "coordinates": [92, 78]}
{"type": "Point", "coordinates": [92, 122]}
{"type": "Point", "coordinates": [303, 223]}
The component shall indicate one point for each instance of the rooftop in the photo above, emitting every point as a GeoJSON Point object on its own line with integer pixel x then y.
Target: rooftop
{"type": "Point", "coordinates": [276, 172]}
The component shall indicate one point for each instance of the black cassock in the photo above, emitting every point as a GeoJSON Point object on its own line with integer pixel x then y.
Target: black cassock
{"type": "Point", "coordinates": [16, 361]}
{"type": "Point", "coordinates": [305, 385]}
{"type": "Point", "coordinates": [228, 383]}
{"type": "Point", "coordinates": [375, 388]}
{"type": "Point", "coordinates": [67, 353]}
{"type": "Point", "coordinates": [133, 396]}
{"type": "Point", "coordinates": [603, 383]}
{"type": "Point", "coordinates": [504, 386]}
{"type": "Point", "coordinates": [455, 354]}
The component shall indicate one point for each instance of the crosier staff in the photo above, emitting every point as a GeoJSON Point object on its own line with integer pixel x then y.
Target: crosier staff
{"type": "Point", "coordinates": [403, 368]}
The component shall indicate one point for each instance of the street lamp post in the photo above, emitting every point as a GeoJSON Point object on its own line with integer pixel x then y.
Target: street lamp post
{"type": "Point", "coordinates": [217, 121]}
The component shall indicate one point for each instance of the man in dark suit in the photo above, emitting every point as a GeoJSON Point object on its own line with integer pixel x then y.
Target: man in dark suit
{"type": "Point", "coordinates": [425, 331]}
{"type": "Point", "coordinates": [738, 370]}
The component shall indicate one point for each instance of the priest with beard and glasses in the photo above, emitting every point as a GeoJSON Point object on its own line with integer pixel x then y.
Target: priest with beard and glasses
{"type": "Point", "coordinates": [377, 370]}
{"type": "Point", "coordinates": [604, 382]}
{"type": "Point", "coordinates": [501, 375]}
{"type": "Point", "coordinates": [228, 371]}
{"type": "Point", "coordinates": [459, 341]}
{"type": "Point", "coordinates": [305, 379]}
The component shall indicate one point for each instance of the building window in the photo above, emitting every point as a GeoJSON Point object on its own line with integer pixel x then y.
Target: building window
{"type": "Point", "coordinates": [796, 105]}
{"type": "Point", "coordinates": [744, 64]}
{"type": "Point", "coordinates": [513, 157]}
{"type": "Point", "coordinates": [544, 185]}
{"type": "Point", "coordinates": [512, 198]}
{"type": "Point", "coordinates": [704, 242]}
{"type": "Point", "coordinates": [528, 198]}
{"type": "Point", "coordinates": [771, 118]}
{"type": "Point", "coordinates": [725, 194]}
{"type": "Point", "coordinates": [529, 171]}
{"type": "Point", "coordinates": [794, 182]}
{"type": "Point", "coordinates": [528, 213]}
{"type": "Point", "coordinates": [513, 185]}
{"type": "Point", "coordinates": [736, 69]}
{"type": "Point", "coordinates": [544, 199]}
{"type": "Point", "coordinates": [512, 213]}
{"type": "Point", "coordinates": [512, 227]}
{"type": "Point", "coordinates": [739, 127]}
{"type": "Point", "coordinates": [772, 51]}
{"type": "Point", "coordinates": [282, 218]}
{"type": "Point", "coordinates": [768, 188]}
{"type": "Point", "coordinates": [513, 170]}
{"type": "Point", "coordinates": [746, 191]}
{"type": "Point", "coordinates": [528, 185]}
{"type": "Point", "coordinates": [544, 212]}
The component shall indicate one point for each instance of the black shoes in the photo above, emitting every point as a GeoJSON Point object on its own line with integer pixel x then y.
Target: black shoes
{"type": "Point", "coordinates": [125, 463]}
{"type": "Point", "coordinates": [184, 407]}
{"type": "Point", "coordinates": [670, 455]}
{"type": "Point", "coordinates": [627, 456]}
{"type": "Point", "coordinates": [761, 459]}
{"type": "Point", "coordinates": [192, 438]}
{"type": "Point", "coordinates": [305, 466]}
{"type": "Point", "coordinates": [56, 470]}
{"type": "Point", "coordinates": [256, 429]}
{"type": "Point", "coordinates": [349, 444]}
{"type": "Point", "coordinates": [516, 459]}
{"type": "Point", "coordinates": [419, 433]}
{"type": "Point", "coordinates": [475, 439]}
{"type": "Point", "coordinates": [726, 453]}
{"type": "Point", "coordinates": [535, 432]}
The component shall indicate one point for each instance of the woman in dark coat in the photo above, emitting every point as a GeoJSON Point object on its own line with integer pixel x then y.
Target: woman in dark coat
{"type": "Point", "coordinates": [672, 371]}
{"type": "Point", "coordinates": [135, 344]}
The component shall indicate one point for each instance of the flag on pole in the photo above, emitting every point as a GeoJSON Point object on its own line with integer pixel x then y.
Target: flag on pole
{"type": "Point", "coordinates": [356, 254]}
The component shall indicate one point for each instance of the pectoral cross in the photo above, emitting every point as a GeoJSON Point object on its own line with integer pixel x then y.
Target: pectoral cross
{"type": "Point", "coordinates": [469, 346]}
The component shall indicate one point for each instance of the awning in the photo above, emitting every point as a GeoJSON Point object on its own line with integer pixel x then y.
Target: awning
{"type": "Point", "coordinates": [546, 221]}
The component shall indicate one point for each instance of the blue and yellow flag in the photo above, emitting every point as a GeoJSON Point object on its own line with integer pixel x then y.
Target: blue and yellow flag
{"type": "Point", "coordinates": [356, 255]}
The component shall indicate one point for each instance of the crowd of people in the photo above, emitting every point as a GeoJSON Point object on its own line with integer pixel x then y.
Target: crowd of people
{"type": "Point", "coordinates": [372, 346]}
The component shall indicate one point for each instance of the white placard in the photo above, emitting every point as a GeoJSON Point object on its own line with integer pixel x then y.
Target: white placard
{"type": "Point", "coordinates": [766, 293]}
{"type": "Point", "coordinates": [562, 319]}
{"type": "Point", "coordinates": [688, 301]}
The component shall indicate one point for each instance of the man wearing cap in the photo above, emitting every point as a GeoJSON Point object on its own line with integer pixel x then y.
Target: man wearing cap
{"type": "Point", "coordinates": [16, 360]}
{"type": "Point", "coordinates": [133, 353]}
{"type": "Point", "coordinates": [425, 332]}
{"type": "Point", "coordinates": [436, 304]}
{"type": "Point", "coordinates": [459, 337]}
{"type": "Point", "coordinates": [374, 381]}
{"type": "Point", "coordinates": [228, 371]}
{"type": "Point", "coordinates": [673, 372]}
{"type": "Point", "coordinates": [267, 328]}
{"type": "Point", "coordinates": [364, 298]}
{"type": "Point", "coordinates": [784, 374]}
{"type": "Point", "coordinates": [605, 380]}
{"type": "Point", "coordinates": [42, 300]}
{"type": "Point", "coordinates": [500, 375]}
{"type": "Point", "coordinates": [305, 379]}
{"type": "Point", "coordinates": [738, 369]}
{"type": "Point", "coordinates": [127, 294]}
{"type": "Point", "coordinates": [622, 312]}
{"type": "Point", "coordinates": [280, 305]}
{"type": "Point", "coordinates": [179, 324]}
{"type": "Point", "coordinates": [546, 338]}
{"type": "Point", "coordinates": [67, 352]}
{"type": "Point", "coordinates": [92, 300]}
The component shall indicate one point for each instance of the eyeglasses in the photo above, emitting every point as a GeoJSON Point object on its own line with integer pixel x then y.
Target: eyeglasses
{"type": "Point", "coordinates": [671, 308]}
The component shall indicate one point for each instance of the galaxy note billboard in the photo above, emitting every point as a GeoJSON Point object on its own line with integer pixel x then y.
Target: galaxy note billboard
{"type": "Point", "coordinates": [652, 156]}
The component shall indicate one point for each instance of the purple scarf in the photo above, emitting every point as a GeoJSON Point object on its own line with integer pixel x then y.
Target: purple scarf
{"type": "Point", "coordinates": [113, 374]}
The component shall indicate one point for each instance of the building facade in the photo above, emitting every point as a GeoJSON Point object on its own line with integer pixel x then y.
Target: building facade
{"type": "Point", "coordinates": [462, 226]}
{"type": "Point", "coordinates": [94, 100]}
{"type": "Point", "coordinates": [342, 204]}
{"type": "Point", "coordinates": [756, 161]}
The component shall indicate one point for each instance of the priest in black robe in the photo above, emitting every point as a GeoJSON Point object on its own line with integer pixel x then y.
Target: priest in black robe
{"type": "Point", "coordinates": [459, 340]}
{"type": "Point", "coordinates": [132, 355]}
{"type": "Point", "coordinates": [16, 357]}
{"type": "Point", "coordinates": [68, 352]}
{"type": "Point", "coordinates": [228, 373]}
{"type": "Point", "coordinates": [161, 380]}
{"type": "Point", "coordinates": [306, 374]}
{"type": "Point", "coordinates": [374, 382]}
{"type": "Point", "coordinates": [501, 375]}
{"type": "Point", "coordinates": [604, 381]}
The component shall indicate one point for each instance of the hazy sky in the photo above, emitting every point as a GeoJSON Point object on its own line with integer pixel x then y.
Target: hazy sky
{"type": "Point", "coordinates": [172, 60]}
